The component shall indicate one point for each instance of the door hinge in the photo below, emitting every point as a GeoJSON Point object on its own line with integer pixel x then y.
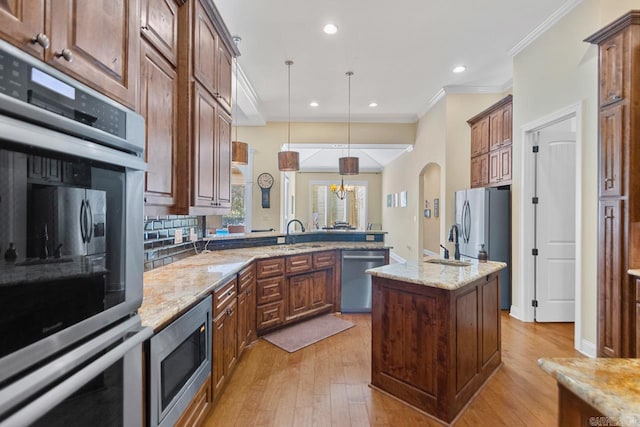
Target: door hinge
{"type": "Point", "coordinates": [534, 303]}
{"type": "Point", "coordinates": [535, 148]}
{"type": "Point", "coordinates": [534, 200]}
{"type": "Point", "coordinates": [534, 251]}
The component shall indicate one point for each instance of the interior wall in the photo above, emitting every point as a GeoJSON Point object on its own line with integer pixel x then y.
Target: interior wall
{"type": "Point", "coordinates": [374, 193]}
{"type": "Point", "coordinates": [267, 140]}
{"type": "Point", "coordinates": [555, 71]}
{"type": "Point", "coordinates": [431, 225]}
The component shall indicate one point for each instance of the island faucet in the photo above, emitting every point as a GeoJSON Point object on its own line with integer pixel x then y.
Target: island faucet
{"type": "Point", "coordinates": [295, 220]}
{"type": "Point", "coordinates": [456, 253]}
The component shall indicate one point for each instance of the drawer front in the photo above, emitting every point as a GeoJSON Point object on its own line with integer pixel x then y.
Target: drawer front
{"type": "Point", "coordinates": [270, 267]}
{"type": "Point", "coordinates": [246, 277]}
{"type": "Point", "coordinates": [299, 263]}
{"type": "Point", "coordinates": [270, 315]}
{"type": "Point", "coordinates": [324, 259]}
{"type": "Point", "coordinates": [269, 290]}
{"type": "Point", "coordinates": [223, 296]}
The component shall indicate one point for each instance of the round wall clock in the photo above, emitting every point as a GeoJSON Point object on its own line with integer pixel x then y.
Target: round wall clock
{"type": "Point", "coordinates": [265, 181]}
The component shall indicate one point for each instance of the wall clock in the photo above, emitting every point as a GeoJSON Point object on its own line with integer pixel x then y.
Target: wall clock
{"type": "Point", "coordinates": [265, 181]}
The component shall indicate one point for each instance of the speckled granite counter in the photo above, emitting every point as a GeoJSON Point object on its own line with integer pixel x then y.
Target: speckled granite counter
{"type": "Point", "coordinates": [634, 272]}
{"type": "Point", "coordinates": [612, 386]}
{"type": "Point", "coordinates": [170, 290]}
{"type": "Point", "coordinates": [437, 275]}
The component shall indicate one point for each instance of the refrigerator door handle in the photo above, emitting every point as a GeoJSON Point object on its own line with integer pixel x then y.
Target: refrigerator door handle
{"type": "Point", "coordinates": [467, 222]}
{"type": "Point", "coordinates": [82, 222]}
{"type": "Point", "coordinates": [89, 222]}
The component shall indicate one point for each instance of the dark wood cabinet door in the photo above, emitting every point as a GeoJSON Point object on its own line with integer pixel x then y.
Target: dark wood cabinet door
{"type": "Point", "coordinates": [205, 50]}
{"type": "Point", "coordinates": [218, 363]}
{"type": "Point", "coordinates": [611, 150]}
{"type": "Point", "coordinates": [480, 170]}
{"type": "Point", "coordinates": [507, 123]}
{"type": "Point", "coordinates": [269, 315]}
{"type": "Point", "coordinates": [251, 313]}
{"type": "Point", "coordinates": [612, 66]}
{"type": "Point", "coordinates": [490, 320]}
{"type": "Point", "coordinates": [610, 278]}
{"type": "Point", "coordinates": [319, 282]}
{"type": "Point", "coordinates": [480, 137]}
{"type": "Point", "coordinates": [159, 24]}
{"type": "Point", "coordinates": [158, 105]}
{"type": "Point", "coordinates": [223, 85]}
{"type": "Point", "coordinates": [231, 338]}
{"type": "Point", "coordinates": [20, 22]}
{"type": "Point", "coordinates": [494, 167]}
{"type": "Point", "coordinates": [98, 42]}
{"type": "Point", "coordinates": [223, 160]}
{"type": "Point", "coordinates": [269, 290]}
{"type": "Point", "coordinates": [495, 130]}
{"type": "Point", "coordinates": [299, 263]}
{"type": "Point", "coordinates": [269, 267]}
{"type": "Point", "coordinates": [242, 322]}
{"type": "Point", "coordinates": [204, 134]}
{"type": "Point", "coordinates": [505, 165]}
{"type": "Point", "coordinates": [299, 297]}
{"type": "Point", "coordinates": [637, 314]}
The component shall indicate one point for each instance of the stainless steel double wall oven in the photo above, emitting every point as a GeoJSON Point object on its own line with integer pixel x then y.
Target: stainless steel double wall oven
{"type": "Point", "coordinates": [71, 218]}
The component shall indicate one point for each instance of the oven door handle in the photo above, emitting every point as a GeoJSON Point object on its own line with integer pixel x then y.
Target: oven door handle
{"type": "Point", "coordinates": [49, 400]}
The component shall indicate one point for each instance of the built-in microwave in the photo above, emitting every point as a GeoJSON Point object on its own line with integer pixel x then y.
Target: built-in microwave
{"type": "Point", "coordinates": [71, 213]}
{"type": "Point", "coordinates": [179, 364]}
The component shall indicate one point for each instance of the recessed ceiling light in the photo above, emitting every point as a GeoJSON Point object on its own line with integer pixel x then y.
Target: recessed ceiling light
{"type": "Point", "coordinates": [373, 104]}
{"type": "Point", "coordinates": [459, 69]}
{"type": "Point", "coordinates": [330, 29]}
{"type": "Point", "coordinates": [313, 104]}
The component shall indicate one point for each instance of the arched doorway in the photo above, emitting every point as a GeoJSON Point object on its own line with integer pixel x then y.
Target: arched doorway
{"type": "Point", "coordinates": [431, 208]}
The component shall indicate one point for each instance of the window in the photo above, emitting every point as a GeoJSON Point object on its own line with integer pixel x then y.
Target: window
{"type": "Point", "coordinates": [327, 209]}
{"type": "Point", "coordinates": [237, 213]}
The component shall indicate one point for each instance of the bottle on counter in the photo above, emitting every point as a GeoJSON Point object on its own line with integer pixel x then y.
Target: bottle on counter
{"type": "Point", "coordinates": [11, 254]}
{"type": "Point", "coordinates": [482, 254]}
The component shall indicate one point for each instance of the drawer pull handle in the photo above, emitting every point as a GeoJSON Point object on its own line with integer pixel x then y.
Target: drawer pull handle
{"type": "Point", "coordinates": [64, 53]}
{"type": "Point", "coordinates": [41, 39]}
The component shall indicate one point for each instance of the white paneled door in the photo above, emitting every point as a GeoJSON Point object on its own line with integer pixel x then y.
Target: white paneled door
{"type": "Point", "coordinates": [555, 226]}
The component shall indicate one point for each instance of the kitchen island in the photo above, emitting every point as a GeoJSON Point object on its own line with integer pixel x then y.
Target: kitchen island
{"type": "Point", "coordinates": [435, 332]}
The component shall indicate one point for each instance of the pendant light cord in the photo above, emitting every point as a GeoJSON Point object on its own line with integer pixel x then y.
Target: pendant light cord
{"type": "Point", "coordinates": [349, 74]}
{"type": "Point", "coordinates": [236, 40]}
{"type": "Point", "coordinates": [289, 64]}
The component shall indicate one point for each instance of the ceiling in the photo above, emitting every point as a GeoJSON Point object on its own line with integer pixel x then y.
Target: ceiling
{"type": "Point", "coordinates": [402, 53]}
{"type": "Point", "coordinates": [372, 157]}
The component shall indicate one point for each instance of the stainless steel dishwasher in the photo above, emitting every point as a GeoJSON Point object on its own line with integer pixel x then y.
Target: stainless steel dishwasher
{"type": "Point", "coordinates": [356, 284]}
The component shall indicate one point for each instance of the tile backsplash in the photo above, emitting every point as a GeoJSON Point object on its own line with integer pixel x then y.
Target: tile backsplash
{"type": "Point", "coordinates": [160, 247]}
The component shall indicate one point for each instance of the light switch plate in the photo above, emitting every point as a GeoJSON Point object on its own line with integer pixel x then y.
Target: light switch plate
{"type": "Point", "coordinates": [280, 240]}
{"type": "Point", "coordinates": [369, 237]}
{"type": "Point", "coordinates": [192, 234]}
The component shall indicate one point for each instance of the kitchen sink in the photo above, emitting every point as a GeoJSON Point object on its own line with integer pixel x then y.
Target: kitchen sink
{"type": "Point", "coordinates": [451, 262]}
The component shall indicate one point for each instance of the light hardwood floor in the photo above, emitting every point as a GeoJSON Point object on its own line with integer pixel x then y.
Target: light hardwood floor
{"type": "Point", "coordinates": [326, 384]}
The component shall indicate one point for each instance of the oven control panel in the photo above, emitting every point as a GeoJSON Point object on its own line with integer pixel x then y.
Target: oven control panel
{"type": "Point", "coordinates": [21, 80]}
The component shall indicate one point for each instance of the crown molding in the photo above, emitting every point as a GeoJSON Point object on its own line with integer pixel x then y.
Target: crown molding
{"type": "Point", "coordinates": [248, 101]}
{"type": "Point", "coordinates": [566, 7]}
{"type": "Point", "coordinates": [432, 102]}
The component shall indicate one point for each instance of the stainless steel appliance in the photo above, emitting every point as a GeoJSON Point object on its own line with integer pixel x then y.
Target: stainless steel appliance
{"type": "Point", "coordinates": [179, 363]}
{"type": "Point", "coordinates": [356, 285]}
{"type": "Point", "coordinates": [483, 216]}
{"type": "Point", "coordinates": [61, 308]}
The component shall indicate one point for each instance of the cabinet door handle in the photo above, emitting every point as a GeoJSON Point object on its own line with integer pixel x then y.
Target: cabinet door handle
{"type": "Point", "coordinates": [230, 292]}
{"type": "Point", "coordinates": [248, 291]}
{"type": "Point", "coordinates": [64, 53]}
{"type": "Point", "coordinates": [41, 39]}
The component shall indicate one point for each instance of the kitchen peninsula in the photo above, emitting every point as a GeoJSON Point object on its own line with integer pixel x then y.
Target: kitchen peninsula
{"type": "Point", "coordinates": [435, 332]}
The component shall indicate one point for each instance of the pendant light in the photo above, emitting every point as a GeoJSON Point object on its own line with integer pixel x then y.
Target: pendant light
{"type": "Point", "coordinates": [289, 160]}
{"type": "Point", "coordinates": [349, 165]}
{"type": "Point", "coordinates": [239, 150]}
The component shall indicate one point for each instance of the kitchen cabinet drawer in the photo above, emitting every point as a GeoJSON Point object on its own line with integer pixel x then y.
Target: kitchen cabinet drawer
{"type": "Point", "coordinates": [246, 277]}
{"type": "Point", "coordinates": [270, 267]}
{"type": "Point", "coordinates": [298, 264]}
{"type": "Point", "coordinates": [270, 315]}
{"type": "Point", "coordinates": [270, 290]}
{"type": "Point", "coordinates": [223, 296]}
{"type": "Point", "coordinates": [324, 259]}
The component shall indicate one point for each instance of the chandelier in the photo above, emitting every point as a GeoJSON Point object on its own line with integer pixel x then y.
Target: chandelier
{"type": "Point", "coordinates": [342, 190]}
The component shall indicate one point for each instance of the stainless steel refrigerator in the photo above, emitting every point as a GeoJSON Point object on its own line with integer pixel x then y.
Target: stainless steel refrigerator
{"type": "Point", "coordinates": [483, 216]}
{"type": "Point", "coordinates": [75, 219]}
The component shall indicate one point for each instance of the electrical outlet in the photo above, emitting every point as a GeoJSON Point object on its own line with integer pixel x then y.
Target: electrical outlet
{"type": "Point", "coordinates": [280, 240]}
{"type": "Point", "coordinates": [178, 237]}
{"type": "Point", "coordinates": [192, 234]}
{"type": "Point", "coordinates": [369, 237]}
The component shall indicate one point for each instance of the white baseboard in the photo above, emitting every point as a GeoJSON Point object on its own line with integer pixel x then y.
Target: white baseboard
{"type": "Point", "coordinates": [394, 257]}
{"type": "Point", "coordinates": [588, 348]}
{"type": "Point", "coordinates": [515, 312]}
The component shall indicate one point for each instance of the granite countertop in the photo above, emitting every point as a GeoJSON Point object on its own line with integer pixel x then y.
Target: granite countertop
{"type": "Point", "coordinates": [612, 386]}
{"type": "Point", "coordinates": [634, 272]}
{"type": "Point", "coordinates": [232, 236]}
{"type": "Point", "coordinates": [437, 275]}
{"type": "Point", "coordinates": [170, 290]}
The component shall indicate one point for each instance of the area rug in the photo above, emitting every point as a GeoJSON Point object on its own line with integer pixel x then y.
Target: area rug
{"type": "Point", "coordinates": [298, 336]}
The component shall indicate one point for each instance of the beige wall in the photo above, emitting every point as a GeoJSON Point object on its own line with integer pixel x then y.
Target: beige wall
{"type": "Point", "coordinates": [267, 140]}
{"type": "Point", "coordinates": [431, 226]}
{"type": "Point", "coordinates": [554, 72]}
{"type": "Point", "coordinates": [443, 138]}
{"type": "Point", "coordinates": [374, 195]}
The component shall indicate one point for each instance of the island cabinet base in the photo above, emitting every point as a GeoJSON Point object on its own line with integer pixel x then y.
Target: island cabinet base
{"type": "Point", "coordinates": [575, 412]}
{"type": "Point", "coordinates": [434, 348]}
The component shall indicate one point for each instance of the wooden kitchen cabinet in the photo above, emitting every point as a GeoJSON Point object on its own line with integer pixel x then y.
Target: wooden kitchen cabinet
{"type": "Point", "coordinates": [99, 49]}
{"type": "Point", "coordinates": [246, 307]}
{"type": "Point", "coordinates": [159, 26]}
{"type": "Point", "coordinates": [618, 185]}
{"type": "Point", "coordinates": [224, 347]}
{"type": "Point", "coordinates": [491, 135]}
{"type": "Point", "coordinates": [299, 295]}
{"type": "Point", "coordinates": [299, 263]}
{"type": "Point", "coordinates": [197, 411]}
{"type": "Point", "coordinates": [320, 283]}
{"type": "Point", "coordinates": [308, 294]}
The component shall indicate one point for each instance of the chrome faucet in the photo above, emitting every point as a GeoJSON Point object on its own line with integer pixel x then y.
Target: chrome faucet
{"type": "Point", "coordinates": [295, 220]}
{"type": "Point", "coordinates": [456, 253]}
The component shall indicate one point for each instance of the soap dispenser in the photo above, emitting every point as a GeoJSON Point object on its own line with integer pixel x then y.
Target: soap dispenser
{"type": "Point", "coordinates": [10, 254]}
{"type": "Point", "coordinates": [482, 254]}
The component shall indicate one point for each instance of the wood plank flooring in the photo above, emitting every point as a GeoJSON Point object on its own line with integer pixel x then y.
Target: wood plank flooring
{"type": "Point", "coordinates": [326, 384]}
